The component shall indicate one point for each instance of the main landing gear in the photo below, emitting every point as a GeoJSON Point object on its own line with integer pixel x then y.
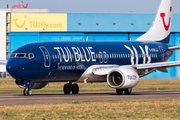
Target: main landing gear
{"type": "Point", "coordinates": [27, 92]}
{"type": "Point", "coordinates": [126, 91]}
{"type": "Point", "coordinates": [68, 87]}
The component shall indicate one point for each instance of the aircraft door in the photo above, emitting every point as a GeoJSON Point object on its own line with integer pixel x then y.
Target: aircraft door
{"type": "Point", "coordinates": [162, 53]}
{"type": "Point", "coordinates": [47, 61]}
{"type": "Point", "coordinates": [100, 57]}
{"type": "Point", "coordinates": [105, 57]}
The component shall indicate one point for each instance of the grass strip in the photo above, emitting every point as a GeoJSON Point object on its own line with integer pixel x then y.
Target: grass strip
{"type": "Point", "coordinates": [97, 110]}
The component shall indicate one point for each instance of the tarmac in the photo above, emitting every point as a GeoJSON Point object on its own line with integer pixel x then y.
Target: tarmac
{"type": "Point", "coordinates": [39, 98]}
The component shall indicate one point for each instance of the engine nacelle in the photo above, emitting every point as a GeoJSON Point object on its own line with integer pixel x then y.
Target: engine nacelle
{"type": "Point", "coordinates": [122, 78]}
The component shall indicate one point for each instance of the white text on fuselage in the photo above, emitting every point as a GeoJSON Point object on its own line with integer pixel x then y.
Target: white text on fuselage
{"type": "Point", "coordinates": [83, 54]}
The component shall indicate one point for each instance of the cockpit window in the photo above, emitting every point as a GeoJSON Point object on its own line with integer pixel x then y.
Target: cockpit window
{"type": "Point", "coordinates": [31, 55]}
{"type": "Point", "coordinates": [22, 55]}
{"type": "Point", "coordinates": [13, 55]}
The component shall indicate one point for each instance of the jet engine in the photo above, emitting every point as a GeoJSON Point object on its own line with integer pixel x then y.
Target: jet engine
{"type": "Point", "coordinates": [122, 78]}
{"type": "Point", "coordinates": [31, 85]}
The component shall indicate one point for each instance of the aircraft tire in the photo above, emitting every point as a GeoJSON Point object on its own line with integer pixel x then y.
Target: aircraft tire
{"type": "Point", "coordinates": [128, 91]}
{"type": "Point", "coordinates": [119, 91]}
{"type": "Point", "coordinates": [29, 92]}
{"type": "Point", "coordinates": [25, 92]}
{"type": "Point", "coordinates": [75, 88]}
{"type": "Point", "coordinates": [67, 89]}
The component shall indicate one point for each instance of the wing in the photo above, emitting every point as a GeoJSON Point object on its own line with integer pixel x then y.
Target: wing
{"type": "Point", "coordinates": [105, 69]}
{"type": "Point", "coordinates": [161, 66]}
{"type": "Point", "coordinates": [3, 62]}
{"type": "Point", "coordinates": [157, 65]}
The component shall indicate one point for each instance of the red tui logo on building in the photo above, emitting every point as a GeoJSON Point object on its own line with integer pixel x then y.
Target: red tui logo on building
{"type": "Point", "coordinates": [20, 6]}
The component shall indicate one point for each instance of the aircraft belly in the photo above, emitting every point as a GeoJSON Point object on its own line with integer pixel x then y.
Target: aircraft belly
{"type": "Point", "coordinates": [64, 75]}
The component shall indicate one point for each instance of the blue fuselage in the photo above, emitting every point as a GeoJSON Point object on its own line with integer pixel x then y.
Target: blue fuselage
{"type": "Point", "coordinates": [67, 61]}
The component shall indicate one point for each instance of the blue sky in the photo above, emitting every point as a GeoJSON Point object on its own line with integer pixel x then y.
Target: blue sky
{"type": "Point", "coordinates": [99, 6]}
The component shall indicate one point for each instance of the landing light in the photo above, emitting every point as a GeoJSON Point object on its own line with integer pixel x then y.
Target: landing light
{"type": "Point", "coordinates": [97, 69]}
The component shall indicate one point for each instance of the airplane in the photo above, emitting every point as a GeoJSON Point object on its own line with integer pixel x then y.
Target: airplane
{"type": "Point", "coordinates": [119, 63]}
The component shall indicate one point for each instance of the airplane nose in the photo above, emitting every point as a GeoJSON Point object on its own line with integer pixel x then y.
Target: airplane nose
{"type": "Point", "coordinates": [9, 68]}
{"type": "Point", "coordinates": [13, 68]}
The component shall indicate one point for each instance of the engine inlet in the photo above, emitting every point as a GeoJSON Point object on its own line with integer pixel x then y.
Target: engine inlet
{"type": "Point", "coordinates": [115, 79]}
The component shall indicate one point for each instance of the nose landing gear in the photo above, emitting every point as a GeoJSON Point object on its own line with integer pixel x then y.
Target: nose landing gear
{"type": "Point", "coordinates": [68, 87]}
{"type": "Point", "coordinates": [27, 92]}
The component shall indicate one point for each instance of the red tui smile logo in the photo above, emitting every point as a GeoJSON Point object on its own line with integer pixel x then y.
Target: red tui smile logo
{"type": "Point", "coordinates": [163, 15]}
{"type": "Point", "coordinates": [19, 6]}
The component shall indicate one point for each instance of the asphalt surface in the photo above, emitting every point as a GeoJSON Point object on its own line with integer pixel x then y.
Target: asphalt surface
{"type": "Point", "coordinates": [10, 99]}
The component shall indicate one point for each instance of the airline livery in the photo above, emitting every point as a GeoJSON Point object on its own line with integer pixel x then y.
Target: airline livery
{"type": "Point", "coordinates": [119, 63]}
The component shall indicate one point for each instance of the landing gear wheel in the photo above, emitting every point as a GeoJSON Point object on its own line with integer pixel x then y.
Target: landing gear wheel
{"type": "Point", "coordinates": [75, 89]}
{"type": "Point", "coordinates": [67, 88]}
{"type": "Point", "coordinates": [119, 91]}
{"type": "Point", "coordinates": [128, 91]}
{"type": "Point", "coordinates": [27, 92]}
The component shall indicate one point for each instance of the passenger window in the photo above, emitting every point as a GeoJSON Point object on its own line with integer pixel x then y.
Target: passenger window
{"type": "Point", "coordinates": [107, 55]}
{"type": "Point", "coordinates": [96, 56]}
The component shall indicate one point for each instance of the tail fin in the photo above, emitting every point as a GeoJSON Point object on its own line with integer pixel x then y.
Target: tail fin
{"type": "Point", "coordinates": [161, 27]}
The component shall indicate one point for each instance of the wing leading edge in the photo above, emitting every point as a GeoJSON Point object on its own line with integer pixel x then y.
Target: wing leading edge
{"type": "Point", "coordinates": [157, 65]}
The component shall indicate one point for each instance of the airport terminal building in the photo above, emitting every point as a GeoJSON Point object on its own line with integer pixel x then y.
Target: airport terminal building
{"type": "Point", "coordinates": [18, 29]}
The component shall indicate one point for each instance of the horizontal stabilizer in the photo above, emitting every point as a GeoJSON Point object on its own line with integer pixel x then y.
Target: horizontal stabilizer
{"type": "Point", "coordinates": [174, 48]}
{"type": "Point", "coordinates": [162, 69]}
